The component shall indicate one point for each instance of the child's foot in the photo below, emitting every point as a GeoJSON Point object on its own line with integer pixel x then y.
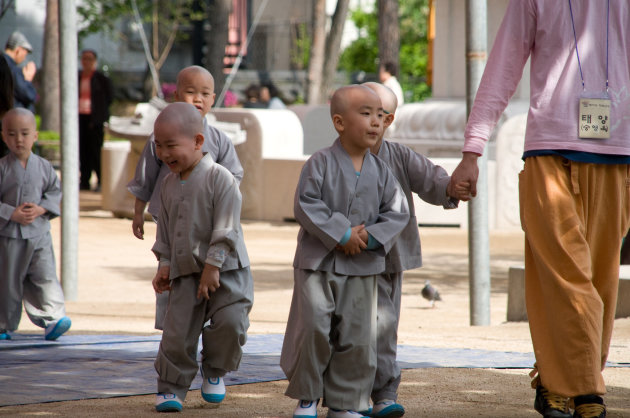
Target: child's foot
{"type": "Point", "coordinates": [213, 389]}
{"type": "Point", "coordinates": [56, 329]}
{"type": "Point", "coordinates": [167, 402]}
{"type": "Point", "coordinates": [387, 408]}
{"type": "Point", "coordinates": [306, 409]}
{"type": "Point", "coordinates": [4, 335]}
{"type": "Point", "coordinates": [343, 413]}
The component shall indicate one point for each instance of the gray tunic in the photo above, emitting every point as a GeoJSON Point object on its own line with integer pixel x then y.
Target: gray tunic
{"type": "Point", "coordinates": [330, 198]}
{"type": "Point", "coordinates": [150, 171]}
{"type": "Point", "coordinates": [415, 174]}
{"type": "Point", "coordinates": [199, 221]}
{"type": "Point", "coordinates": [27, 263]}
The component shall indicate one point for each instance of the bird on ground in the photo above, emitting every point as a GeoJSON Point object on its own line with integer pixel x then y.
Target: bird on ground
{"type": "Point", "coordinates": [430, 293]}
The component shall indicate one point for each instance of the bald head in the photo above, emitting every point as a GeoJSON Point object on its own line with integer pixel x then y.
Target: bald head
{"type": "Point", "coordinates": [345, 96]}
{"type": "Point", "coordinates": [183, 116]}
{"type": "Point", "coordinates": [24, 114]}
{"type": "Point", "coordinates": [194, 71]}
{"type": "Point", "coordinates": [387, 96]}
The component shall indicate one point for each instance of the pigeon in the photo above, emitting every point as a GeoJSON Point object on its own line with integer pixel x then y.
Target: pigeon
{"type": "Point", "coordinates": [430, 293]}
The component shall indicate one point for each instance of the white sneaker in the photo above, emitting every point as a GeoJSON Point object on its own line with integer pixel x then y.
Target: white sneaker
{"type": "Point", "coordinates": [343, 413]}
{"type": "Point", "coordinates": [167, 402]}
{"type": "Point", "coordinates": [306, 409]}
{"type": "Point", "coordinates": [56, 329]}
{"type": "Point", "coordinates": [213, 389]}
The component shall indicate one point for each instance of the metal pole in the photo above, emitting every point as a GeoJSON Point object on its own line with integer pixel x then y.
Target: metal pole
{"type": "Point", "coordinates": [68, 50]}
{"type": "Point", "coordinates": [478, 241]}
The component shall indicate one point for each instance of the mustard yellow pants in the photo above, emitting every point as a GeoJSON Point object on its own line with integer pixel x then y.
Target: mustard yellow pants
{"type": "Point", "coordinates": [574, 216]}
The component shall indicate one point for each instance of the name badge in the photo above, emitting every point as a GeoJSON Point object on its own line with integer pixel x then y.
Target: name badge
{"type": "Point", "coordinates": [594, 118]}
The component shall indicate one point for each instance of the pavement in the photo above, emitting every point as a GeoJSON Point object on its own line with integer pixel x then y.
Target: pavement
{"type": "Point", "coordinates": [115, 298]}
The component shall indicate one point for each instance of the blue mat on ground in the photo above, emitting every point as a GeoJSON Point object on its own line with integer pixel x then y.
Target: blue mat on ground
{"type": "Point", "coordinates": [101, 366]}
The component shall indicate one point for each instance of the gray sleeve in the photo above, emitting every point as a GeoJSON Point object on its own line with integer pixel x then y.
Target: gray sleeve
{"type": "Point", "coordinates": [161, 248]}
{"type": "Point", "coordinates": [310, 209]}
{"type": "Point", "coordinates": [51, 194]}
{"type": "Point", "coordinates": [428, 181]}
{"type": "Point", "coordinates": [147, 172]}
{"type": "Point", "coordinates": [227, 156]}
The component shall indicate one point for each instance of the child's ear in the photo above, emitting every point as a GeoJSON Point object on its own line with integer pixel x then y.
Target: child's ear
{"type": "Point", "coordinates": [199, 139]}
{"type": "Point", "coordinates": [214, 96]}
{"type": "Point", "coordinates": [337, 120]}
{"type": "Point", "coordinates": [389, 119]}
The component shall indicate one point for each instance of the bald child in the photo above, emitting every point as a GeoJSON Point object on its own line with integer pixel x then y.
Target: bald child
{"type": "Point", "coordinates": [203, 262]}
{"type": "Point", "coordinates": [30, 195]}
{"type": "Point", "coordinates": [195, 85]}
{"type": "Point", "coordinates": [350, 209]}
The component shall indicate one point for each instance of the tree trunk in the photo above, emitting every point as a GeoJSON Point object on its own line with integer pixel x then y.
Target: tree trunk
{"type": "Point", "coordinates": [50, 82]}
{"type": "Point", "coordinates": [217, 39]}
{"type": "Point", "coordinates": [316, 61]}
{"type": "Point", "coordinates": [388, 31]}
{"type": "Point", "coordinates": [333, 45]}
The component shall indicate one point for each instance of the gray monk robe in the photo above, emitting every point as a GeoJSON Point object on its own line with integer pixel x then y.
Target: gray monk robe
{"type": "Point", "coordinates": [199, 223]}
{"type": "Point", "coordinates": [27, 260]}
{"type": "Point", "coordinates": [329, 347]}
{"type": "Point", "coordinates": [416, 174]}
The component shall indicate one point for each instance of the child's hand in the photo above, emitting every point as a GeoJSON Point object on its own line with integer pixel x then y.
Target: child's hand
{"type": "Point", "coordinates": [209, 281]}
{"type": "Point", "coordinates": [355, 244]}
{"type": "Point", "coordinates": [161, 282]}
{"type": "Point", "coordinates": [26, 213]}
{"type": "Point", "coordinates": [461, 190]}
{"type": "Point", "coordinates": [137, 225]}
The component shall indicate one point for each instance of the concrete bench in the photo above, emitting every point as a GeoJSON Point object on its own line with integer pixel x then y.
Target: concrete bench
{"type": "Point", "coordinates": [516, 310]}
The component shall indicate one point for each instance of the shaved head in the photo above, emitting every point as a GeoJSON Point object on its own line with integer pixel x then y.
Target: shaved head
{"type": "Point", "coordinates": [191, 71]}
{"type": "Point", "coordinates": [344, 96]}
{"type": "Point", "coordinates": [20, 112]}
{"type": "Point", "coordinates": [387, 96]}
{"type": "Point", "coordinates": [184, 116]}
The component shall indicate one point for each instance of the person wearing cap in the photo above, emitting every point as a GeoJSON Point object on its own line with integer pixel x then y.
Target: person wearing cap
{"type": "Point", "coordinates": [15, 51]}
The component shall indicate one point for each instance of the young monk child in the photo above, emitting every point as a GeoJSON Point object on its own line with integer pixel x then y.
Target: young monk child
{"type": "Point", "coordinates": [350, 209]}
{"type": "Point", "coordinates": [195, 85]}
{"type": "Point", "coordinates": [203, 262]}
{"type": "Point", "coordinates": [30, 195]}
{"type": "Point", "coordinates": [415, 174]}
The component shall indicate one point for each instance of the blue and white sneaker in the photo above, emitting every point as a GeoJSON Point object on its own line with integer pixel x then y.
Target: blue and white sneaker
{"type": "Point", "coordinates": [343, 413]}
{"type": "Point", "coordinates": [4, 334]}
{"type": "Point", "coordinates": [167, 402]}
{"type": "Point", "coordinates": [387, 409]}
{"type": "Point", "coordinates": [56, 329]}
{"type": "Point", "coordinates": [306, 409]}
{"type": "Point", "coordinates": [213, 389]}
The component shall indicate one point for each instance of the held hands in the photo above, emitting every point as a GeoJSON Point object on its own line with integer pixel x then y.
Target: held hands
{"type": "Point", "coordinates": [209, 281]}
{"type": "Point", "coordinates": [26, 213]}
{"type": "Point", "coordinates": [463, 183]}
{"type": "Point", "coordinates": [161, 282]}
{"type": "Point", "coordinates": [357, 242]}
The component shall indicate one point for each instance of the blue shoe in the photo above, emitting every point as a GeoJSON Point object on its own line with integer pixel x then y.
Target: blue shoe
{"type": "Point", "coordinates": [57, 329]}
{"type": "Point", "coordinates": [306, 409]}
{"type": "Point", "coordinates": [387, 409]}
{"type": "Point", "coordinates": [213, 389]}
{"type": "Point", "coordinates": [4, 335]}
{"type": "Point", "coordinates": [167, 402]}
{"type": "Point", "coordinates": [367, 412]}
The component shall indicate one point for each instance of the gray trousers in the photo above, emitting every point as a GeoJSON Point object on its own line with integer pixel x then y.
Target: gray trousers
{"type": "Point", "coordinates": [329, 348]}
{"type": "Point", "coordinates": [387, 377]}
{"type": "Point", "coordinates": [28, 275]}
{"type": "Point", "coordinates": [221, 321]}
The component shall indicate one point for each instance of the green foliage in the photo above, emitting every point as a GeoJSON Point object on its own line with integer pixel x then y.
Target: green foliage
{"type": "Point", "coordinates": [301, 49]}
{"type": "Point", "coordinates": [362, 54]}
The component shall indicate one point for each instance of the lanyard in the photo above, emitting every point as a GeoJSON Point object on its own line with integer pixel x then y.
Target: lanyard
{"type": "Point", "coordinates": [576, 45]}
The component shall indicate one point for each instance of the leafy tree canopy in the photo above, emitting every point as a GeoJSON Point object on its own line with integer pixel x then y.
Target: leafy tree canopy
{"type": "Point", "coordinates": [362, 54]}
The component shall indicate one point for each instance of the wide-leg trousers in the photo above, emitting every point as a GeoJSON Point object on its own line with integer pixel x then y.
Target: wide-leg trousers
{"type": "Point", "coordinates": [574, 216]}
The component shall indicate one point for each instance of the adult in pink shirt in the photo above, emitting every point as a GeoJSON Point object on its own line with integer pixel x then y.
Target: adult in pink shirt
{"type": "Point", "coordinates": [574, 192]}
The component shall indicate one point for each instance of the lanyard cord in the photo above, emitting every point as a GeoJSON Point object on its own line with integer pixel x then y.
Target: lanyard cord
{"type": "Point", "coordinates": [576, 45]}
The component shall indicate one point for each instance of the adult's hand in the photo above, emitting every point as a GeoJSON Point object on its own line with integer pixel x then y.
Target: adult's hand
{"type": "Point", "coordinates": [29, 71]}
{"type": "Point", "coordinates": [466, 174]}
